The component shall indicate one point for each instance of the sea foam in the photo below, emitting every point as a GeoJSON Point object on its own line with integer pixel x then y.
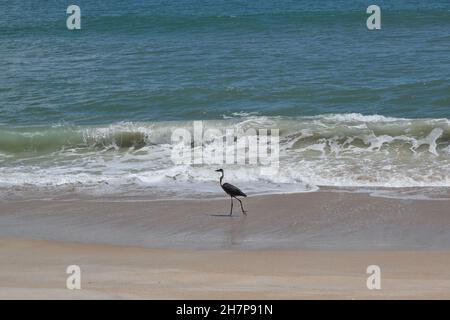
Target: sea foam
{"type": "Point", "coordinates": [338, 150]}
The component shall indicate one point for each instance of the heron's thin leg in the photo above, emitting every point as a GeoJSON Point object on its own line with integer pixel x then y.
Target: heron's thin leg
{"type": "Point", "coordinates": [231, 211]}
{"type": "Point", "coordinates": [242, 208]}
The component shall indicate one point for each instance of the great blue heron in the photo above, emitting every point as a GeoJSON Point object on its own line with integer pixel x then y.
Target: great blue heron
{"type": "Point", "coordinates": [233, 192]}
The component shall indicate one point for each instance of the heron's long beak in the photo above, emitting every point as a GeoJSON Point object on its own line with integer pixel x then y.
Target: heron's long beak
{"type": "Point", "coordinates": [219, 170]}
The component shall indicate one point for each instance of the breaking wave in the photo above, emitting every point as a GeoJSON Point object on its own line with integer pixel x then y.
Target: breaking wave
{"type": "Point", "coordinates": [342, 150]}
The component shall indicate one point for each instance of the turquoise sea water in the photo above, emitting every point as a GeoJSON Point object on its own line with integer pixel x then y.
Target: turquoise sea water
{"type": "Point", "coordinates": [95, 107]}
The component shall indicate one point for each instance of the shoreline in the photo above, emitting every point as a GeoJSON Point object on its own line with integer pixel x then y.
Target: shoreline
{"type": "Point", "coordinates": [435, 193]}
{"type": "Point", "coordinates": [318, 221]}
{"type": "Point", "coordinates": [302, 246]}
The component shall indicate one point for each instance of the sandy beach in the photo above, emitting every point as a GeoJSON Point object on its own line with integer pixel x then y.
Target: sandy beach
{"type": "Point", "coordinates": [313, 245]}
{"type": "Point", "coordinates": [36, 270]}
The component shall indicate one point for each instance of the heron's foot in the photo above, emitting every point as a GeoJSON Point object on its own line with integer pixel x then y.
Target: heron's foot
{"type": "Point", "coordinates": [244, 212]}
{"type": "Point", "coordinates": [231, 213]}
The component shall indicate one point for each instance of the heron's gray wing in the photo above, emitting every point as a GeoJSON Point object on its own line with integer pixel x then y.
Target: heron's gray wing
{"type": "Point", "coordinates": [232, 190]}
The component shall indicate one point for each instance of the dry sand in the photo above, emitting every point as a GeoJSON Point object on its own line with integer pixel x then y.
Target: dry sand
{"type": "Point", "coordinates": [314, 246]}
{"type": "Point", "coordinates": [36, 270]}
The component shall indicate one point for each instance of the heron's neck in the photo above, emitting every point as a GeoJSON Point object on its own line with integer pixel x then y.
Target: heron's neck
{"type": "Point", "coordinates": [221, 178]}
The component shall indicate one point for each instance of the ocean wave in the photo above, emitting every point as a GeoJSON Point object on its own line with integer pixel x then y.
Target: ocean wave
{"type": "Point", "coordinates": [371, 131]}
{"type": "Point", "coordinates": [344, 150]}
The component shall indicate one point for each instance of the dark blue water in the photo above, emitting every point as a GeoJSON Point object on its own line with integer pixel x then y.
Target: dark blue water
{"type": "Point", "coordinates": [178, 60]}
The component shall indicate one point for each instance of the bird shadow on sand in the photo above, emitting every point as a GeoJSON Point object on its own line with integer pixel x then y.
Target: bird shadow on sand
{"type": "Point", "coordinates": [226, 215]}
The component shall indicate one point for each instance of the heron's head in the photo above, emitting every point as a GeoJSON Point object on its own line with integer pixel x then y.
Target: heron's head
{"type": "Point", "coordinates": [219, 170]}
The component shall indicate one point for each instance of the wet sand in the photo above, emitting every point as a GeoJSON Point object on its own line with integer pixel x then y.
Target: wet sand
{"type": "Point", "coordinates": [315, 245]}
{"type": "Point", "coordinates": [318, 220]}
